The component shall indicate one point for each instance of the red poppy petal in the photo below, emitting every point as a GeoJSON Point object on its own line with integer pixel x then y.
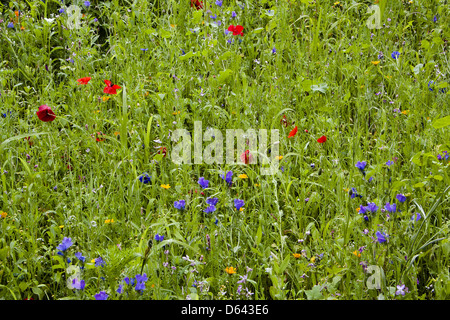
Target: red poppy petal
{"type": "Point", "coordinates": [107, 82]}
{"type": "Point", "coordinates": [293, 132]}
{"type": "Point", "coordinates": [322, 139]}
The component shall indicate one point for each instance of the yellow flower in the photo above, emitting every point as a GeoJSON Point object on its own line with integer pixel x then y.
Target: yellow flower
{"type": "Point", "coordinates": [3, 214]}
{"type": "Point", "coordinates": [257, 185]}
{"type": "Point", "coordinates": [357, 209]}
{"type": "Point", "coordinates": [165, 186]}
{"type": "Point", "coordinates": [146, 93]}
{"type": "Point", "coordinates": [173, 25]}
{"type": "Point", "coordinates": [105, 98]}
{"type": "Point", "coordinates": [241, 209]}
{"type": "Point", "coordinates": [93, 260]}
{"type": "Point", "coordinates": [356, 253]}
{"type": "Point", "coordinates": [405, 112]}
{"type": "Point", "coordinates": [296, 255]}
{"type": "Point", "coordinates": [375, 62]}
{"type": "Point", "coordinates": [176, 112]}
{"type": "Point", "coordinates": [313, 259]}
{"type": "Point", "coordinates": [61, 227]}
{"type": "Point", "coordinates": [243, 176]}
{"type": "Point", "coordinates": [109, 221]}
{"type": "Point", "coordinates": [230, 270]}
{"type": "Point", "coordinates": [116, 133]}
{"type": "Point", "coordinates": [280, 157]}
{"type": "Point", "coordinates": [346, 189]}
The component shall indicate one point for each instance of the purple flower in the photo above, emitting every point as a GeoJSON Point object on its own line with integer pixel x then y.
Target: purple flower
{"type": "Point", "coordinates": [87, 4]}
{"type": "Point", "coordinates": [77, 284]}
{"type": "Point", "coordinates": [417, 216]}
{"type": "Point", "coordinates": [80, 257]}
{"type": "Point", "coordinates": [238, 203]}
{"type": "Point", "coordinates": [99, 262]}
{"type": "Point", "coordinates": [395, 55]}
{"type": "Point", "coordinates": [219, 3]}
{"type": "Point", "coordinates": [401, 290]}
{"type": "Point", "coordinates": [233, 14]}
{"type": "Point", "coordinates": [389, 163]}
{"type": "Point", "coordinates": [210, 209]}
{"type": "Point", "coordinates": [362, 209]}
{"type": "Point", "coordinates": [361, 165]}
{"type": "Point", "coordinates": [212, 201]}
{"type": "Point", "coordinates": [372, 207]}
{"type": "Point", "coordinates": [61, 10]}
{"type": "Point", "coordinates": [10, 25]}
{"type": "Point", "coordinates": [381, 237]}
{"type": "Point", "coordinates": [159, 237]}
{"type": "Point", "coordinates": [390, 207]}
{"type": "Point", "coordinates": [120, 289]}
{"type": "Point", "coordinates": [228, 177]}
{"type": "Point", "coordinates": [102, 295]}
{"type": "Point", "coordinates": [400, 197]}
{"type": "Point", "coordinates": [274, 50]}
{"type": "Point", "coordinates": [435, 18]}
{"type": "Point", "coordinates": [180, 204]}
{"type": "Point", "coordinates": [203, 182]}
{"type": "Point", "coordinates": [64, 245]}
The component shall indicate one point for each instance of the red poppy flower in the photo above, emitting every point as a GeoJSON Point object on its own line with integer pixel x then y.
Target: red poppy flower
{"type": "Point", "coordinates": [237, 30]}
{"type": "Point", "coordinates": [306, 130]}
{"type": "Point", "coordinates": [293, 132]}
{"type": "Point", "coordinates": [99, 137]}
{"type": "Point", "coordinates": [30, 142]}
{"type": "Point", "coordinates": [322, 139]}
{"type": "Point", "coordinates": [246, 157]}
{"type": "Point", "coordinates": [163, 150]}
{"type": "Point", "coordinates": [45, 113]}
{"type": "Point", "coordinates": [284, 121]}
{"type": "Point", "coordinates": [110, 87]}
{"type": "Point", "coordinates": [198, 4]}
{"type": "Point", "coordinates": [84, 80]}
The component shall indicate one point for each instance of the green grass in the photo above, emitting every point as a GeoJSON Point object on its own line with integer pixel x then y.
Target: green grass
{"type": "Point", "coordinates": [63, 183]}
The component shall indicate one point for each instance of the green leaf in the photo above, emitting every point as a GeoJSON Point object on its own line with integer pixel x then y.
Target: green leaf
{"type": "Point", "coordinates": [314, 293]}
{"type": "Point", "coordinates": [441, 123]}
{"type": "Point", "coordinates": [417, 68]}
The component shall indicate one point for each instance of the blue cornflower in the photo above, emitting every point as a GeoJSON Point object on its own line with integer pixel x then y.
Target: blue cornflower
{"type": "Point", "coordinates": [417, 216]}
{"type": "Point", "coordinates": [180, 204]}
{"type": "Point", "coordinates": [400, 197]}
{"type": "Point", "coordinates": [61, 10]}
{"type": "Point", "coordinates": [395, 55]}
{"type": "Point", "coordinates": [390, 207]}
{"type": "Point", "coordinates": [228, 177]}
{"type": "Point", "coordinates": [430, 85]}
{"type": "Point", "coordinates": [203, 182]}
{"type": "Point", "coordinates": [65, 244]}
{"type": "Point", "coordinates": [361, 165]}
{"type": "Point", "coordinates": [210, 209]}
{"type": "Point", "coordinates": [381, 237]}
{"type": "Point", "coordinates": [102, 295]}
{"type": "Point", "coordinates": [144, 49]}
{"type": "Point", "coordinates": [182, 52]}
{"type": "Point", "coordinates": [214, 17]}
{"type": "Point", "coordinates": [99, 262]}
{"type": "Point", "coordinates": [145, 178]}
{"type": "Point", "coordinates": [362, 209]}
{"type": "Point", "coordinates": [212, 201]}
{"type": "Point", "coordinates": [120, 289]}
{"type": "Point", "coordinates": [80, 257]}
{"type": "Point", "coordinates": [10, 25]}
{"type": "Point", "coordinates": [389, 163]}
{"type": "Point", "coordinates": [129, 281]}
{"type": "Point", "coordinates": [274, 50]}
{"type": "Point", "coordinates": [372, 207]}
{"type": "Point", "coordinates": [238, 203]}
{"type": "Point", "coordinates": [233, 14]}
{"type": "Point", "coordinates": [354, 194]}
{"type": "Point", "coordinates": [77, 284]}
{"type": "Point", "coordinates": [159, 237]}
{"type": "Point", "coordinates": [87, 4]}
{"type": "Point", "coordinates": [219, 3]}
{"type": "Point", "coordinates": [435, 18]}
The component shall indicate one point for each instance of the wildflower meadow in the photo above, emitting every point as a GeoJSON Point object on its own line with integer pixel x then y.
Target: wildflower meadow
{"type": "Point", "coordinates": [224, 150]}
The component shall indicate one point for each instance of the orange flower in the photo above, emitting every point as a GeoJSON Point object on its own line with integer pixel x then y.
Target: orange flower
{"type": "Point", "coordinates": [296, 255]}
{"type": "Point", "coordinates": [356, 253]}
{"type": "Point", "coordinates": [230, 270]}
{"type": "Point", "coordinates": [374, 62]}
